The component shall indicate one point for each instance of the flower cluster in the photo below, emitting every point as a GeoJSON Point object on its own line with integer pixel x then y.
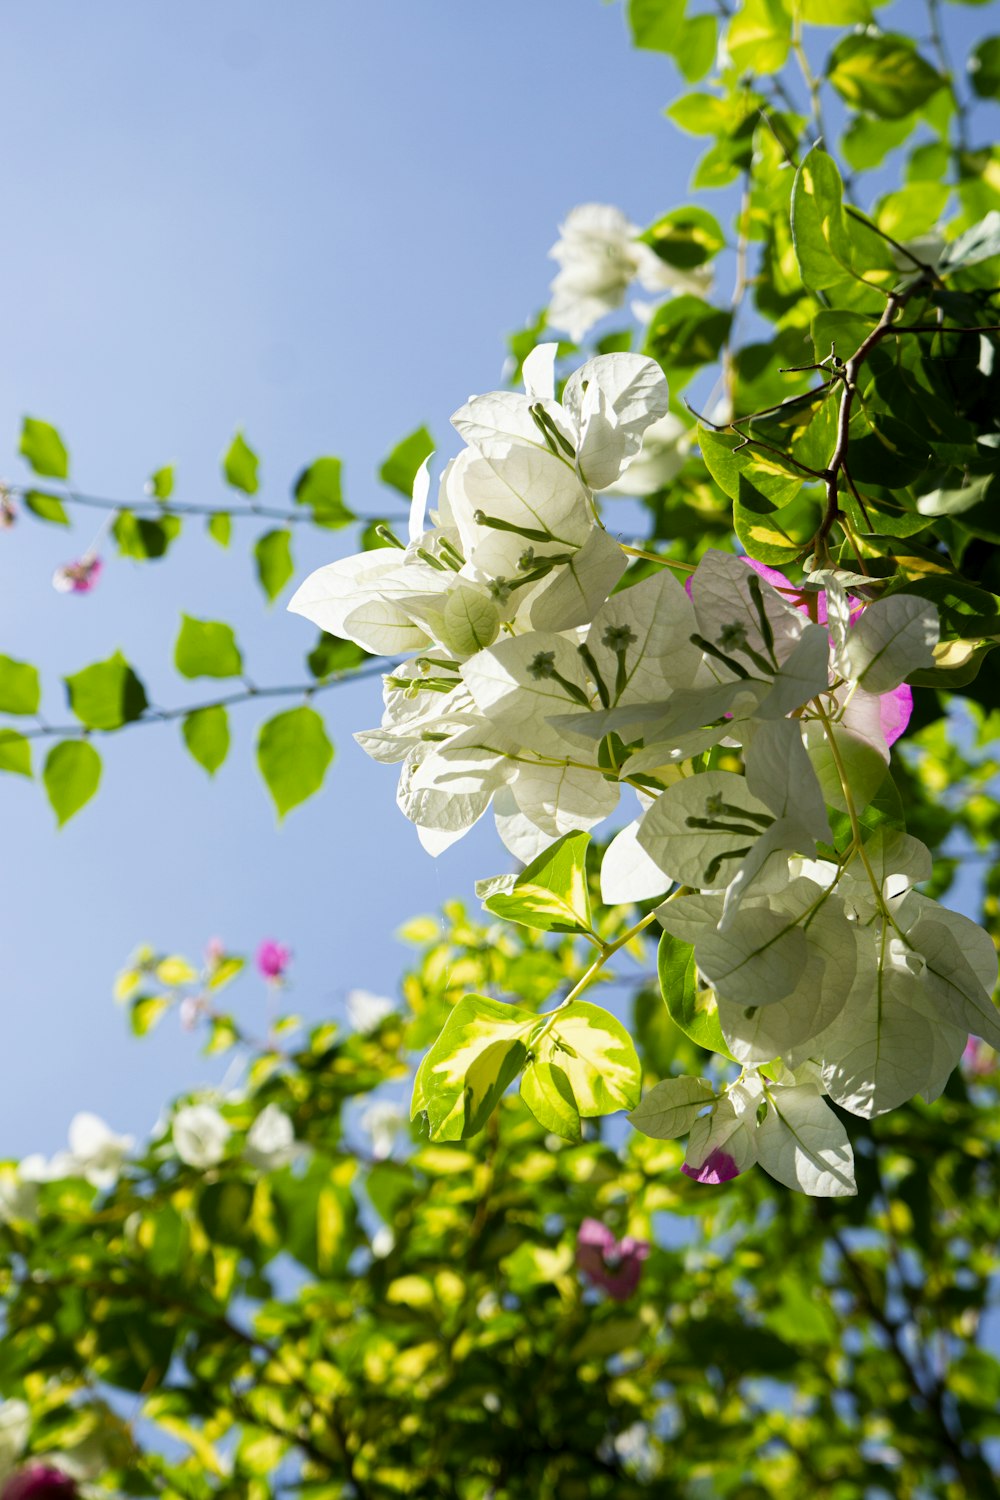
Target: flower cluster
{"type": "Point", "coordinates": [748, 720]}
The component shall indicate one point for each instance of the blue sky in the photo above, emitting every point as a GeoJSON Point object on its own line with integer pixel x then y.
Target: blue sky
{"type": "Point", "coordinates": [315, 222]}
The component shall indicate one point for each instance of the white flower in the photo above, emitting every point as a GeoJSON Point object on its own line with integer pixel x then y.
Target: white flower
{"type": "Point", "coordinates": [660, 459]}
{"type": "Point", "coordinates": [383, 1241]}
{"type": "Point", "coordinates": [599, 255]}
{"type": "Point", "coordinates": [366, 1011]}
{"type": "Point", "coordinates": [95, 1151]}
{"type": "Point", "coordinates": [271, 1140]}
{"type": "Point", "coordinates": [515, 540]}
{"type": "Point", "coordinates": [200, 1135]}
{"type": "Point", "coordinates": [15, 1424]}
{"type": "Point", "coordinates": [382, 1122]}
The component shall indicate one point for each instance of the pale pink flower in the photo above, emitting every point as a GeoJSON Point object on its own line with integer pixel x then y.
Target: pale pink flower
{"type": "Point", "coordinates": [273, 959]}
{"type": "Point", "coordinates": [215, 952]}
{"type": "Point", "coordinates": [78, 577]}
{"type": "Point", "coordinates": [8, 510]}
{"type": "Point", "coordinates": [978, 1058]}
{"type": "Point", "coordinates": [190, 1011]}
{"type": "Point", "coordinates": [615, 1265]}
{"type": "Point", "coordinates": [717, 1167]}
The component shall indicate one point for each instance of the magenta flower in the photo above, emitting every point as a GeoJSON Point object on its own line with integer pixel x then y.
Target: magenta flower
{"type": "Point", "coordinates": [273, 959]}
{"type": "Point", "coordinates": [717, 1167]}
{"type": "Point", "coordinates": [40, 1482]}
{"type": "Point", "coordinates": [78, 577]}
{"type": "Point", "coordinates": [615, 1265]}
{"type": "Point", "coordinates": [895, 707]}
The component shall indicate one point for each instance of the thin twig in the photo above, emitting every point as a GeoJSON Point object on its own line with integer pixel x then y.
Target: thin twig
{"type": "Point", "coordinates": [165, 715]}
{"type": "Point", "coordinates": [157, 509]}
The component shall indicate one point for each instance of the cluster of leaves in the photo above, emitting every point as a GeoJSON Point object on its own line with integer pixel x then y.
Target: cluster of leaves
{"type": "Point", "coordinates": [376, 1323]}
{"type": "Point", "coordinates": [293, 748]}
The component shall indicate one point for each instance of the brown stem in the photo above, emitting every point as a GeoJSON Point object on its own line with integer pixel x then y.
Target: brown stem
{"type": "Point", "coordinates": [849, 376]}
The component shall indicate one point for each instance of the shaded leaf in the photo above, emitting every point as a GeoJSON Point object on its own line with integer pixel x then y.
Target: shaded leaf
{"type": "Point", "coordinates": [107, 694]}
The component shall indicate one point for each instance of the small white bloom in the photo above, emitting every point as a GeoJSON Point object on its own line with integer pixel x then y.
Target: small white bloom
{"type": "Point", "coordinates": [366, 1011]}
{"type": "Point", "coordinates": [664, 449]}
{"type": "Point", "coordinates": [599, 254]}
{"type": "Point", "coordinates": [271, 1140]}
{"type": "Point", "coordinates": [15, 1423]}
{"type": "Point", "coordinates": [382, 1241]}
{"type": "Point", "coordinates": [96, 1151]}
{"type": "Point", "coordinates": [200, 1135]}
{"type": "Point", "coordinates": [382, 1122]}
{"type": "Point", "coordinates": [18, 1197]}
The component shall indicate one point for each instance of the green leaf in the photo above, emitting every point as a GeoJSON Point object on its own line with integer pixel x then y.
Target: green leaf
{"type": "Point", "coordinates": [161, 482]}
{"type": "Point", "coordinates": [20, 691]}
{"type": "Point", "coordinates": [701, 114]}
{"type": "Point", "coordinates": [759, 36]}
{"type": "Point", "coordinates": [144, 537]}
{"type": "Point", "coordinates": [883, 74]}
{"type": "Point", "coordinates": [775, 536]}
{"type": "Point", "coordinates": [837, 12]}
{"type": "Point", "coordinates": [273, 554]}
{"type": "Point", "coordinates": [984, 68]}
{"type": "Point", "coordinates": [735, 464]}
{"type": "Point", "coordinates": [240, 464]}
{"type": "Point", "coordinates": [46, 507]}
{"type": "Point", "coordinates": [71, 774]}
{"type": "Point", "coordinates": [582, 1063]}
{"type": "Point", "coordinates": [867, 141]}
{"type": "Point", "coordinates": [145, 1011]}
{"type": "Point", "coordinates": [551, 893]}
{"type": "Point", "coordinates": [293, 753]}
{"type": "Point", "coordinates": [696, 46]}
{"type": "Point", "coordinates": [684, 334]}
{"type": "Point", "coordinates": [15, 752]}
{"type": "Point", "coordinates": [330, 654]}
{"type": "Point", "coordinates": [478, 1055]}
{"type": "Point", "coordinates": [44, 449]}
{"type": "Point", "coordinates": [107, 694]}
{"type": "Point", "coordinates": [913, 210]}
{"type": "Point", "coordinates": [207, 648]}
{"type": "Point", "coordinates": [400, 468]}
{"type": "Point", "coordinates": [653, 24]}
{"type": "Point", "coordinates": [319, 487]}
{"type": "Point", "coordinates": [206, 734]}
{"type": "Point", "coordinates": [832, 250]}
{"type": "Point", "coordinates": [980, 242]}
{"type": "Point", "coordinates": [220, 527]}
{"type": "Point", "coordinates": [671, 1107]}
{"type": "Point", "coordinates": [685, 237]}
{"type": "Point", "coordinates": [691, 1007]}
